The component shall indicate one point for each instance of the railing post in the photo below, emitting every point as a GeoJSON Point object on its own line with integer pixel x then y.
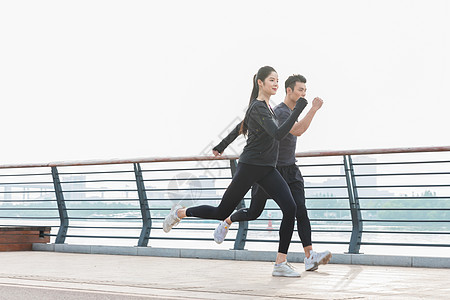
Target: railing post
{"type": "Point", "coordinates": [357, 224]}
{"type": "Point", "coordinates": [145, 209]}
{"type": "Point", "coordinates": [241, 235]}
{"type": "Point", "coordinates": [63, 217]}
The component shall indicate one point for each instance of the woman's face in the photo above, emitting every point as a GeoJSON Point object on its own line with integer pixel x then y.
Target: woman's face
{"type": "Point", "coordinates": [270, 84]}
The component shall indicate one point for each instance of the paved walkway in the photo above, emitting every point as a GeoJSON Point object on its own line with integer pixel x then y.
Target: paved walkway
{"type": "Point", "coordinates": [53, 275]}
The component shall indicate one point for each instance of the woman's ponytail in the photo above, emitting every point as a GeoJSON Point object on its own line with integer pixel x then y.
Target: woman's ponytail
{"type": "Point", "coordinates": [255, 89]}
{"type": "Point", "coordinates": [262, 74]}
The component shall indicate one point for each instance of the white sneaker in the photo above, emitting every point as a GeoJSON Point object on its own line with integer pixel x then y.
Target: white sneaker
{"type": "Point", "coordinates": [315, 259]}
{"type": "Point", "coordinates": [221, 232]}
{"type": "Point", "coordinates": [171, 219]}
{"type": "Point", "coordinates": [285, 270]}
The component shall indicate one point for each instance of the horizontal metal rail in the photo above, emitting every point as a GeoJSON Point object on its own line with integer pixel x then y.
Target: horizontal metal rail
{"type": "Point", "coordinates": [324, 153]}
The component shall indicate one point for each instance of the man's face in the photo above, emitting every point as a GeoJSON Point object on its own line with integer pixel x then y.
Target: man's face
{"type": "Point", "coordinates": [299, 91]}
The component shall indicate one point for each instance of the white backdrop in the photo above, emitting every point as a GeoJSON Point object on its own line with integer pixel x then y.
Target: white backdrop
{"type": "Point", "coordinates": [118, 79]}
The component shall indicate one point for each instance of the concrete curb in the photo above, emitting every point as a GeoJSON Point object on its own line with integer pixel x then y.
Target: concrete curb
{"type": "Point", "coordinates": [295, 257]}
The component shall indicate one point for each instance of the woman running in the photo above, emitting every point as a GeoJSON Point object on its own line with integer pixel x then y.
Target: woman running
{"type": "Point", "coordinates": [257, 164]}
{"type": "Point", "coordinates": [295, 87]}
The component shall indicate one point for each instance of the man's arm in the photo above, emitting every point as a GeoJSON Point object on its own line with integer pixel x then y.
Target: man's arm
{"type": "Point", "coordinates": [301, 126]}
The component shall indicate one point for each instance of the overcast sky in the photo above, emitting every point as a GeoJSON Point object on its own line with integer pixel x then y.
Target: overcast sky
{"type": "Point", "coordinates": [122, 79]}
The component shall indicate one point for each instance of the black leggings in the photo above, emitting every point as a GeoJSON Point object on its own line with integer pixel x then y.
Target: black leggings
{"type": "Point", "coordinates": [259, 199]}
{"type": "Point", "coordinates": [271, 181]}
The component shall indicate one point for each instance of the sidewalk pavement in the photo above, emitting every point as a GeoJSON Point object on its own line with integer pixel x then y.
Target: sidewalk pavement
{"type": "Point", "coordinates": [54, 275]}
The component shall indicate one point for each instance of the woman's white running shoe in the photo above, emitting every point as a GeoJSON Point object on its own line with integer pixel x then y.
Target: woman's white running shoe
{"type": "Point", "coordinates": [285, 270]}
{"type": "Point", "coordinates": [315, 259]}
{"type": "Point", "coordinates": [221, 232]}
{"type": "Point", "coordinates": [171, 219]}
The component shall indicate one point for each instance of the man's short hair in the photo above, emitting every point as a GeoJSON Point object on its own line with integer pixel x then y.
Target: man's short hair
{"type": "Point", "coordinates": [292, 80]}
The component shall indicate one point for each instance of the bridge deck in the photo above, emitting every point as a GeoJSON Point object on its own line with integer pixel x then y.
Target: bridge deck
{"type": "Point", "coordinates": [53, 275]}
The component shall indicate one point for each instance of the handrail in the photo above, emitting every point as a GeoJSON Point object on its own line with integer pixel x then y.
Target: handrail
{"type": "Point", "coordinates": [316, 153]}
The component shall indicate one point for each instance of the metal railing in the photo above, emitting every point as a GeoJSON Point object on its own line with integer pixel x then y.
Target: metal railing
{"type": "Point", "coordinates": [359, 198]}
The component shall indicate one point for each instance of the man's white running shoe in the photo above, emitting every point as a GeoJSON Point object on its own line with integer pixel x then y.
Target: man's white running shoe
{"type": "Point", "coordinates": [221, 232]}
{"type": "Point", "coordinates": [285, 270]}
{"type": "Point", "coordinates": [315, 259]}
{"type": "Point", "coordinates": [171, 219]}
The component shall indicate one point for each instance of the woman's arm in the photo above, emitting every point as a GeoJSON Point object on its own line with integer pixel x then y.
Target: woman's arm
{"type": "Point", "coordinates": [264, 118]}
{"type": "Point", "coordinates": [218, 150]}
